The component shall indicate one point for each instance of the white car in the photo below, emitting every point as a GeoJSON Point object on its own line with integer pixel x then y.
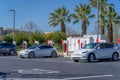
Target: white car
{"type": "Point", "coordinates": [96, 51]}
{"type": "Point", "coordinates": [38, 51]}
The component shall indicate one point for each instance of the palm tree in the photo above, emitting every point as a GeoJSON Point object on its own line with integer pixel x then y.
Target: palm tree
{"type": "Point", "coordinates": [111, 18]}
{"type": "Point", "coordinates": [102, 5]}
{"type": "Point", "coordinates": [82, 13]}
{"type": "Point", "coordinates": [59, 16]}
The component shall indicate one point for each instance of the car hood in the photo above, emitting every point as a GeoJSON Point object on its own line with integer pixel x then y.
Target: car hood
{"type": "Point", "coordinates": [80, 51]}
{"type": "Point", "coordinates": [26, 51]}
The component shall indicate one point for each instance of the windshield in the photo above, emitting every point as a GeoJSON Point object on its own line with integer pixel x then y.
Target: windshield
{"type": "Point", "coordinates": [33, 47]}
{"type": "Point", "coordinates": [90, 46]}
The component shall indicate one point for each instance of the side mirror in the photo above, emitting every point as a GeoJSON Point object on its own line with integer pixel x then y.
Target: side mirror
{"type": "Point", "coordinates": [37, 48]}
{"type": "Point", "coordinates": [117, 47]}
{"type": "Point", "coordinates": [98, 47]}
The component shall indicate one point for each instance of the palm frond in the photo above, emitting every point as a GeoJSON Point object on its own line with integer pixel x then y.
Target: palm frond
{"type": "Point", "coordinates": [76, 21]}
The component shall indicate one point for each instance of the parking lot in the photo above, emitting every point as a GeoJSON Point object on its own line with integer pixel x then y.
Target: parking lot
{"type": "Point", "coordinates": [13, 67]}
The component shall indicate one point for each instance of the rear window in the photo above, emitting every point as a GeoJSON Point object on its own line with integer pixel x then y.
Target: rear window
{"type": "Point", "coordinates": [45, 47]}
{"type": "Point", "coordinates": [109, 45]}
{"type": "Point", "coordinates": [7, 44]}
{"type": "Point", "coordinates": [33, 47]}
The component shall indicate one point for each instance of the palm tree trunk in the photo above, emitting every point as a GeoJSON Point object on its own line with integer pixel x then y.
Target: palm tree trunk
{"type": "Point", "coordinates": [110, 33]}
{"type": "Point", "coordinates": [84, 28]}
{"type": "Point", "coordinates": [63, 28]}
{"type": "Point", "coordinates": [102, 29]}
{"type": "Point", "coordinates": [102, 20]}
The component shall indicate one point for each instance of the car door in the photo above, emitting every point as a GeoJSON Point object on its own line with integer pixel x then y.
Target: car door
{"type": "Point", "coordinates": [1, 48]}
{"type": "Point", "coordinates": [101, 51]}
{"type": "Point", "coordinates": [4, 48]}
{"type": "Point", "coordinates": [44, 50]}
{"type": "Point", "coordinates": [109, 50]}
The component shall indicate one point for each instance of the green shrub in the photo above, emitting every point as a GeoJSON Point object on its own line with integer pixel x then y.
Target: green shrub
{"type": "Point", "coordinates": [8, 38]}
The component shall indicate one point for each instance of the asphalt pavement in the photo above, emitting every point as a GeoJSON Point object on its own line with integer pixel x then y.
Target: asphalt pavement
{"type": "Point", "coordinates": [15, 68]}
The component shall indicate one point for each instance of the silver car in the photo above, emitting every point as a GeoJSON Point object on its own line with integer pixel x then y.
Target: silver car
{"type": "Point", "coordinates": [96, 51]}
{"type": "Point", "coordinates": [38, 51]}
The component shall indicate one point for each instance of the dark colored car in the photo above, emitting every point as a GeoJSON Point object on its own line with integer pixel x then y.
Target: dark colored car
{"type": "Point", "coordinates": [7, 48]}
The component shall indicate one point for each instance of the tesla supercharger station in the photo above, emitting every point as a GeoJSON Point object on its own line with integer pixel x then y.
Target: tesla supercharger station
{"type": "Point", "coordinates": [24, 45]}
{"type": "Point", "coordinates": [119, 41]}
{"type": "Point", "coordinates": [36, 42]}
{"type": "Point", "coordinates": [79, 44]}
{"type": "Point", "coordinates": [65, 48]}
{"type": "Point", "coordinates": [14, 42]}
{"type": "Point", "coordinates": [50, 42]}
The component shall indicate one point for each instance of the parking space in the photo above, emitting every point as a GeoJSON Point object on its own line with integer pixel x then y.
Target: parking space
{"type": "Point", "coordinates": [57, 69]}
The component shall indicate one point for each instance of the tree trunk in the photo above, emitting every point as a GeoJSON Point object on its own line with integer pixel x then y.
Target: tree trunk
{"type": "Point", "coordinates": [110, 33]}
{"type": "Point", "coordinates": [102, 29]}
{"type": "Point", "coordinates": [102, 20]}
{"type": "Point", "coordinates": [63, 29]}
{"type": "Point", "coordinates": [84, 28]}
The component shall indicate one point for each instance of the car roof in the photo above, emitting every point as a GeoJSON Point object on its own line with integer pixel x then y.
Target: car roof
{"type": "Point", "coordinates": [43, 45]}
{"type": "Point", "coordinates": [102, 42]}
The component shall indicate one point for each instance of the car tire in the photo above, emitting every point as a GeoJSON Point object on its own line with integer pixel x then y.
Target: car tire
{"type": "Point", "coordinates": [115, 57]}
{"type": "Point", "coordinates": [76, 60]}
{"type": "Point", "coordinates": [54, 54]}
{"type": "Point", "coordinates": [91, 57]}
{"type": "Point", "coordinates": [12, 52]}
{"type": "Point", "coordinates": [31, 55]}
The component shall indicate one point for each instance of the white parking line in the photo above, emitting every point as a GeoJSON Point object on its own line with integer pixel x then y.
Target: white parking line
{"type": "Point", "coordinates": [36, 71]}
{"type": "Point", "coordinates": [88, 77]}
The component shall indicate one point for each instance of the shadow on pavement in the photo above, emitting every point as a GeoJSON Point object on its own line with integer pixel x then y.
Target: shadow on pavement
{"type": "Point", "coordinates": [99, 61]}
{"type": "Point", "coordinates": [3, 75]}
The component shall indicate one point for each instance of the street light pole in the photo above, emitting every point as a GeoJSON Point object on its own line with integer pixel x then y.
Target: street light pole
{"type": "Point", "coordinates": [13, 23]}
{"type": "Point", "coordinates": [97, 20]}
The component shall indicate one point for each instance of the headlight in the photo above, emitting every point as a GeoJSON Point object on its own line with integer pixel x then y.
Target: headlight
{"type": "Point", "coordinates": [85, 52]}
{"type": "Point", "coordinates": [27, 51]}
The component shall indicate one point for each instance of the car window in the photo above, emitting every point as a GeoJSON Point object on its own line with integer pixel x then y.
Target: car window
{"type": "Point", "coordinates": [90, 46]}
{"type": "Point", "coordinates": [2, 44]}
{"type": "Point", "coordinates": [50, 46]}
{"type": "Point", "coordinates": [108, 45]}
{"type": "Point", "coordinates": [6, 44]}
{"type": "Point", "coordinates": [45, 47]}
{"type": "Point", "coordinates": [102, 46]}
{"type": "Point", "coordinates": [33, 47]}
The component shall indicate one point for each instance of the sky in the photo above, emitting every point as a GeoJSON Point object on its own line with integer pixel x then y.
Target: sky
{"type": "Point", "coordinates": [38, 12]}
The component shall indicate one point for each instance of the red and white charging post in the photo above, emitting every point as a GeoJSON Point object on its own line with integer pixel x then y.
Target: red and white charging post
{"type": "Point", "coordinates": [50, 42]}
{"type": "Point", "coordinates": [65, 48]}
{"type": "Point", "coordinates": [24, 45]}
{"type": "Point", "coordinates": [36, 42]}
{"type": "Point", "coordinates": [79, 46]}
{"type": "Point", "coordinates": [118, 40]}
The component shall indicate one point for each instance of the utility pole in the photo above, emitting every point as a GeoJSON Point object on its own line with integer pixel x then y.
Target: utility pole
{"type": "Point", "coordinates": [13, 23]}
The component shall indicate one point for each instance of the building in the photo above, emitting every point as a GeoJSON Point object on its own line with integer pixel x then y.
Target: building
{"type": "Point", "coordinates": [4, 30]}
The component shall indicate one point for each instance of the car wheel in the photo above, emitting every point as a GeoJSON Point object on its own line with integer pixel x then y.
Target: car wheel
{"type": "Point", "coordinates": [31, 55]}
{"type": "Point", "coordinates": [91, 57]}
{"type": "Point", "coordinates": [12, 52]}
{"type": "Point", "coordinates": [115, 57]}
{"type": "Point", "coordinates": [76, 60]}
{"type": "Point", "coordinates": [53, 54]}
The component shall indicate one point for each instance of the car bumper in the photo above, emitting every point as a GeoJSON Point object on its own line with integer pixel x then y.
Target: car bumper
{"type": "Point", "coordinates": [79, 57]}
{"type": "Point", "coordinates": [23, 55]}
